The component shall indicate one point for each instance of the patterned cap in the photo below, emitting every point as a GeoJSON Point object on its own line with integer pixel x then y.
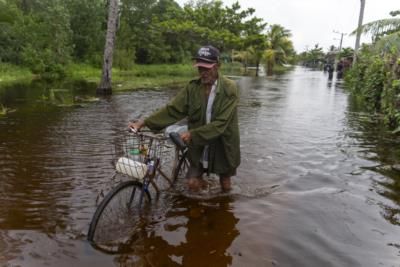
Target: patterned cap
{"type": "Point", "coordinates": [207, 57]}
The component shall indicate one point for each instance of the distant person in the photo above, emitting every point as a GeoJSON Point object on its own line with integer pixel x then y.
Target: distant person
{"type": "Point", "coordinates": [210, 105]}
{"type": "Point", "coordinates": [330, 70]}
{"type": "Point", "coordinates": [347, 64]}
{"type": "Point", "coordinates": [340, 69]}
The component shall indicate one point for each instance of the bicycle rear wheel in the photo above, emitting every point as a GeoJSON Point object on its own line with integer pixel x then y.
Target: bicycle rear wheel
{"type": "Point", "coordinates": [118, 216]}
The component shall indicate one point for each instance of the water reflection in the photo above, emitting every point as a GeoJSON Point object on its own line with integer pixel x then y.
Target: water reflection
{"type": "Point", "coordinates": [58, 94]}
{"type": "Point", "coordinates": [316, 183]}
{"type": "Point", "coordinates": [377, 143]}
{"type": "Point", "coordinates": [192, 233]}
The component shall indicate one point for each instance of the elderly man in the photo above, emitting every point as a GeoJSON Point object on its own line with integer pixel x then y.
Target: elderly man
{"type": "Point", "coordinates": [210, 105]}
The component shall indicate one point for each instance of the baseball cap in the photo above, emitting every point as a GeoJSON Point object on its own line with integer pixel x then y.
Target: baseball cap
{"type": "Point", "coordinates": [206, 57]}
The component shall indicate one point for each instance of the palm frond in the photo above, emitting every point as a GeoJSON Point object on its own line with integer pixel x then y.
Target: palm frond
{"type": "Point", "coordinates": [388, 43]}
{"type": "Point", "coordinates": [380, 27]}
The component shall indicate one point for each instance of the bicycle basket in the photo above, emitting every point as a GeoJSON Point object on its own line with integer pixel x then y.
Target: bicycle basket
{"type": "Point", "coordinates": [136, 153]}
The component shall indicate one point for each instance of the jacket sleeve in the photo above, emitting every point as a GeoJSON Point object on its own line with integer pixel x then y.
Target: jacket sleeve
{"type": "Point", "coordinates": [174, 111]}
{"type": "Point", "coordinates": [206, 133]}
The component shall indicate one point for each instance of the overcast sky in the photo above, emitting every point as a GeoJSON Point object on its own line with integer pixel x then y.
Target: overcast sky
{"type": "Point", "coordinates": [314, 21]}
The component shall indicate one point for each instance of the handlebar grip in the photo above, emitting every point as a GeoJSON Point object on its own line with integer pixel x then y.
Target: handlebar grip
{"type": "Point", "coordinates": [132, 130]}
{"type": "Point", "coordinates": [176, 138]}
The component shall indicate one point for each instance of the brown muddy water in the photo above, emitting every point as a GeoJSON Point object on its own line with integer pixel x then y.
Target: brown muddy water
{"type": "Point", "coordinates": [316, 186]}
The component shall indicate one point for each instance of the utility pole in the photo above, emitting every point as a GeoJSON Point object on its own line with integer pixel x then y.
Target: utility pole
{"type": "Point", "coordinates": [340, 47]}
{"type": "Point", "coordinates": [341, 39]}
{"type": "Point", "coordinates": [360, 22]}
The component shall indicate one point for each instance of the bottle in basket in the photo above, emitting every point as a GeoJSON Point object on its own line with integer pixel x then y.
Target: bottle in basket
{"type": "Point", "coordinates": [131, 168]}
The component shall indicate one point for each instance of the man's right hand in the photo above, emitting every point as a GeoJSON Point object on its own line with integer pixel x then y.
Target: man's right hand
{"type": "Point", "coordinates": [137, 125]}
{"type": "Point", "coordinates": [186, 137]}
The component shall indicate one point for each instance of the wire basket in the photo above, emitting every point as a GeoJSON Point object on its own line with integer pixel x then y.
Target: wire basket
{"type": "Point", "coordinates": [137, 154]}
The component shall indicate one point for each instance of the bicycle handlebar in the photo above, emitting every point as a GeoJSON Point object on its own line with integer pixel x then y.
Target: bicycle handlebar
{"type": "Point", "coordinates": [132, 130]}
{"type": "Point", "coordinates": [146, 133]}
{"type": "Point", "coordinates": [176, 138]}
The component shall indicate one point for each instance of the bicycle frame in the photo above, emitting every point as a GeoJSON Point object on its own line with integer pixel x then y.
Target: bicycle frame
{"type": "Point", "coordinates": [152, 159]}
{"type": "Point", "coordinates": [138, 157]}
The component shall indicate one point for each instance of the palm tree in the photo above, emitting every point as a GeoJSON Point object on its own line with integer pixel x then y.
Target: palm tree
{"type": "Point", "coordinates": [279, 47]}
{"type": "Point", "coordinates": [256, 54]}
{"type": "Point", "coordinates": [242, 56]}
{"type": "Point", "coordinates": [251, 56]}
{"type": "Point", "coordinates": [381, 27]}
{"type": "Point", "coordinates": [314, 57]}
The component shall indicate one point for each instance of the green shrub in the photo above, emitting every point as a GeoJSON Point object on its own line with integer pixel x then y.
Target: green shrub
{"type": "Point", "coordinates": [163, 70]}
{"type": "Point", "coordinates": [373, 84]}
{"type": "Point", "coordinates": [124, 59]}
{"type": "Point", "coordinates": [375, 80]}
{"type": "Point", "coordinates": [9, 72]}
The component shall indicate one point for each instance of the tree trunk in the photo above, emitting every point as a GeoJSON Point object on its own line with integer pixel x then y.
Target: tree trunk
{"type": "Point", "coordinates": [257, 67]}
{"type": "Point", "coordinates": [105, 83]}
{"type": "Point", "coordinates": [270, 68]}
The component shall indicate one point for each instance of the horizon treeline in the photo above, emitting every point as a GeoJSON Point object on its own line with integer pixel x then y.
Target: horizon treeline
{"type": "Point", "coordinates": [47, 35]}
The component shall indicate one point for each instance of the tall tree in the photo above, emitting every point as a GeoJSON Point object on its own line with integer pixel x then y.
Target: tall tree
{"type": "Point", "coordinates": [10, 44]}
{"type": "Point", "coordinates": [256, 50]}
{"type": "Point", "coordinates": [45, 37]}
{"type": "Point", "coordinates": [88, 20]}
{"type": "Point", "coordinates": [105, 86]}
{"type": "Point", "coordinates": [314, 57]}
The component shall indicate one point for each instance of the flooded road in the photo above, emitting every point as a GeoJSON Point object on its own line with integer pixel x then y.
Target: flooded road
{"type": "Point", "coordinates": [316, 186]}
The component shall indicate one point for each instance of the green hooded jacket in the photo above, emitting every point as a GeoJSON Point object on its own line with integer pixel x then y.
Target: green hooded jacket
{"type": "Point", "coordinates": [221, 134]}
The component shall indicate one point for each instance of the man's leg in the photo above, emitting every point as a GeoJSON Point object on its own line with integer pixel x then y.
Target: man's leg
{"type": "Point", "coordinates": [194, 178]}
{"type": "Point", "coordinates": [195, 183]}
{"type": "Point", "coordinates": [225, 181]}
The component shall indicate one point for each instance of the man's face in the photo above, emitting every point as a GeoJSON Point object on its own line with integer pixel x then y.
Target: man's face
{"type": "Point", "coordinates": [208, 75]}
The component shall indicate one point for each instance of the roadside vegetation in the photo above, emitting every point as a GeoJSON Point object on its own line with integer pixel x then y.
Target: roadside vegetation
{"type": "Point", "coordinates": [54, 39]}
{"type": "Point", "coordinates": [138, 76]}
{"type": "Point", "coordinates": [9, 73]}
{"type": "Point", "coordinates": [375, 78]}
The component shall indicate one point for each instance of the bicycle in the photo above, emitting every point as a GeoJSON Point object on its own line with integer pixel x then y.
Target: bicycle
{"type": "Point", "coordinates": [139, 158]}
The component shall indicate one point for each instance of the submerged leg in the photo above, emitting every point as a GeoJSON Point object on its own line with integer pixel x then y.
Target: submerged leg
{"type": "Point", "coordinates": [225, 182]}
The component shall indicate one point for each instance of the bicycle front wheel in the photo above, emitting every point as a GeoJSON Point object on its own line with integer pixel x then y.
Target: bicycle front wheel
{"type": "Point", "coordinates": [119, 216]}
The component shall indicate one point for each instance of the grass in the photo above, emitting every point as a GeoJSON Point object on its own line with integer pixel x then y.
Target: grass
{"type": "Point", "coordinates": [5, 110]}
{"type": "Point", "coordinates": [140, 76]}
{"type": "Point", "coordinates": [235, 68]}
{"type": "Point", "coordinates": [280, 69]}
{"type": "Point", "coordinates": [146, 76]}
{"type": "Point", "coordinates": [10, 73]}
{"type": "Point", "coordinates": [83, 72]}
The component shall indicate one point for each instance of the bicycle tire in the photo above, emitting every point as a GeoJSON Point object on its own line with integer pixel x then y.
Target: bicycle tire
{"type": "Point", "coordinates": [116, 217]}
{"type": "Point", "coordinates": [181, 168]}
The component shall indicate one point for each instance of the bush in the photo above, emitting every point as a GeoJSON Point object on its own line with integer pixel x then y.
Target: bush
{"type": "Point", "coordinates": [124, 58]}
{"type": "Point", "coordinates": [373, 84]}
{"type": "Point", "coordinates": [44, 63]}
{"type": "Point", "coordinates": [163, 70]}
{"type": "Point", "coordinates": [375, 79]}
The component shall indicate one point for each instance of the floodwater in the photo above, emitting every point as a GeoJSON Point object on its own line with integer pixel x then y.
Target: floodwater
{"type": "Point", "coordinates": [316, 186]}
